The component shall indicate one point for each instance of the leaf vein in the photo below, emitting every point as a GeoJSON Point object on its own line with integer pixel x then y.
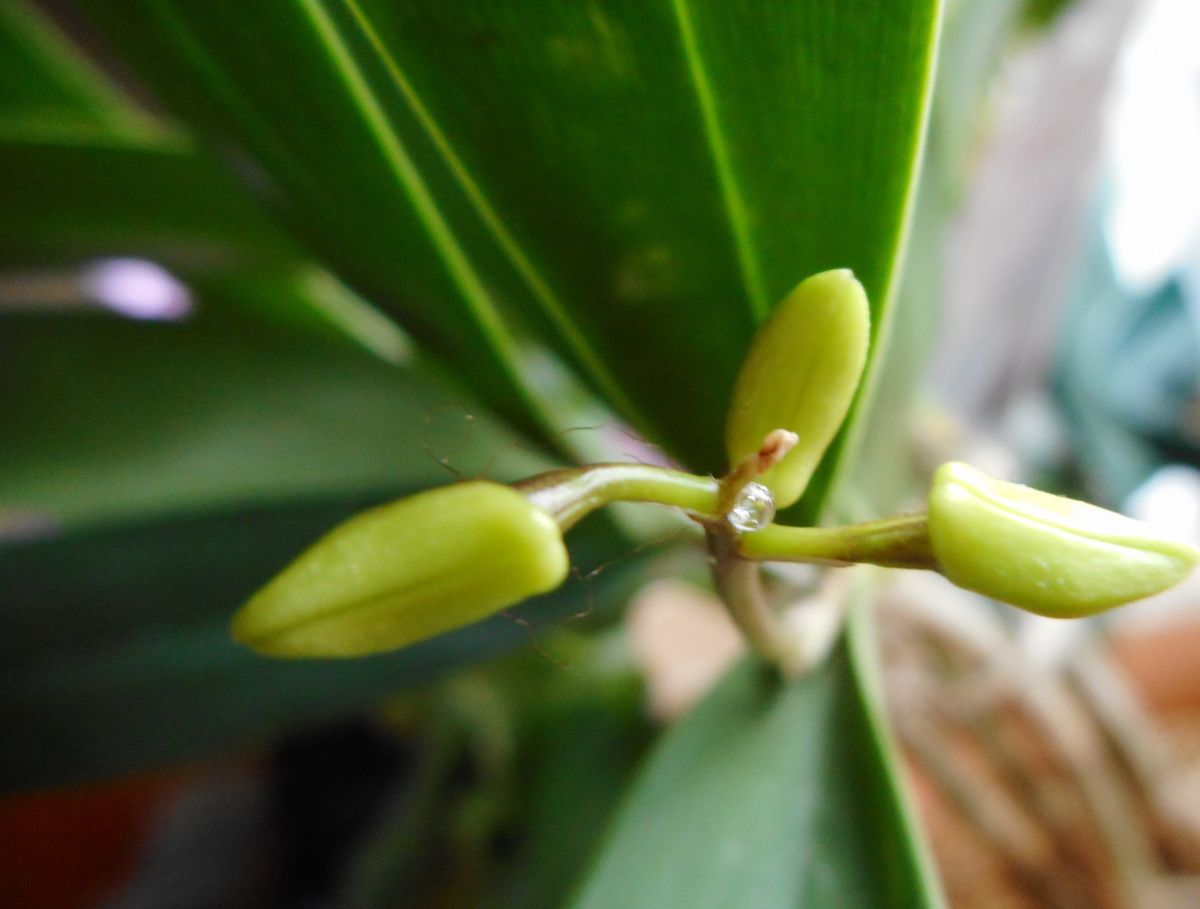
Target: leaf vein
{"type": "Point", "coordinates": [554, 309]}
{"type": "Point", "coordinates": [456, 261]}
{"type": "Point", "coordinates": [731, 194]}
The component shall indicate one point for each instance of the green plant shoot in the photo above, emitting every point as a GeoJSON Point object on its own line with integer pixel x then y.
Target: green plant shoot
{"type": "Point", "coordinates": [1046, 554]}
{"type": "Point", "coordinates": [451, 556]}
{"type": "Point", "coordinates": [800, 375]}
{"type": "Point", "coordinates": [406, 571]}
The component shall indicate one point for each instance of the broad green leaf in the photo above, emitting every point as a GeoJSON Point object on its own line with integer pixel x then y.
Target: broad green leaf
{"type": "Point", "coordinates": [310, 129]}
{"type": "Point", "coordinates": [640, 182]}
{"type": "Point", "coordinates": [42, 77]}
{"type": "Point", "coordinates": [582, 736]}
{"type": "Point", "coordinates": [187, 462]}
{"type": "Point", "coordinates": [973, 39]}
{"type": "Point", "coordinates": [108, 419]}
{"type": "Point", "coordinates": [70, 191]}
{"type": "Point", "coordinates": [300, 297]}
{"type": "Point", "coordinates": [578, 767]}
{"type": "Point", "coordinates": [888, 478]}
{"type": "Point", "coordinates": [542, 736]}
{"type": "Point", "coordinates": [74, 193]}
{"type": "Point", "coordinates": [118, 658]}
{"type": "Point", "coordinates": [78, 180]}
{"type": "Point", "coordinates": [83, 175]}
{"type": "Point", "coordinates": [767, 795]}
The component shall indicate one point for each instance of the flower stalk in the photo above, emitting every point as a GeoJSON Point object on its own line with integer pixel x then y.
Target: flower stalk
{"type": "Point", "coordinates": [570, 495]}
{"type": "Point", "coordinates": [739, 584]}
{"type": "Point", "coordinates": [447, 557]}
{"type": "Point", "coordinates": [901, 541]}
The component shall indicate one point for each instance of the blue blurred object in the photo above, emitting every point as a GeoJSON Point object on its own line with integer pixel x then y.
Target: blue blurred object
{"type": "Point", "coordinates": [1128, 375]}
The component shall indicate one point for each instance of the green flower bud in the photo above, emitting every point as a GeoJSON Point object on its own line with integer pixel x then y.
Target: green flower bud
{"type": "Point", "coordinates": [1044, 553]}
{"type": "Point", "coordinates": [407, 571]}
{"type": "Point", "coordinates": [800, 375]}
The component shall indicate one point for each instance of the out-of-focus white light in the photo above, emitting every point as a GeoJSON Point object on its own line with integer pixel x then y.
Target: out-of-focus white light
{"type": "Point", "coordinates": [1154, 144]}
{"type": "Point", "coordinates": [137, 289]}
{"type": "Point", "coordinates": [1170, 501]}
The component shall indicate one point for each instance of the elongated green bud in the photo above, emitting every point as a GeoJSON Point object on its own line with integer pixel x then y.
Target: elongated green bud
{"type": "Point", "coordinates": [800, 375]}
{"type": "Point", "coordinates": [407, 571]}
{"type": "Point", "coordinates": [1044, 553]}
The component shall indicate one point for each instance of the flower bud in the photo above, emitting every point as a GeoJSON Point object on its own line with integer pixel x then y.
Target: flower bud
{"type": "Point", "coordinates": [800, 375]}
{"type": "Point", "coordinates": [406, 571]}
{"type": "Point", "coordinates": [1046, 554]}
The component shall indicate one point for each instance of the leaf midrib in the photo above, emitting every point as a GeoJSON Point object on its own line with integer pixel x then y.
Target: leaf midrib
{"type": "Point", "coordinates": [575, 338]}
{"type": "Point", "coordinates": [731, 194]}
{"type": "Point", "coordinates": [454, 259]}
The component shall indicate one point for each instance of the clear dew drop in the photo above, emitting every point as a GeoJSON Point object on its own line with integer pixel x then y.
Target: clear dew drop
{"type": "Point", "coordinates": [754, 508]}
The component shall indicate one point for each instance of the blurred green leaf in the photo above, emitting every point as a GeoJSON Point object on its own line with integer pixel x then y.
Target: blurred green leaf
{"type": "Point", "coordinates": [639, 182]}
{"type": "Point", "coordinates": [109, 419]}
{"type": "Point", "coordinates": [1040, 14]}
{"type": "Point", "coordinates": [41, 77]}
{"type": "Point", "coordinates": [78, 180]}
{"type": "Point", "coordinates": [581, 743]}
{"type": "Point", "coordinates": [78, 192]}
{"type": "Point", "coordinates": [970, 48]}
{"type": "Point", "coordinates": [881, 485]}
{"type": "Point", "coordinates": [84, 176]}
{"type": "Point", "coordinates": [187, 463]}
{"type": "Point", "coordinates": [552, 745]}
{"type": "Point", "coordinates": [767, 795]}
{"type": "Point", "coordinates": [344, 177]}
{"type": "Point", "coordinates": [118, 658]}
{"type": "Point", "coordinates": [974, 38]}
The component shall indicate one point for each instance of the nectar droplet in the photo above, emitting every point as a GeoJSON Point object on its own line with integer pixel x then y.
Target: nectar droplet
{"type": "Point", "coordinates": [753, 509]}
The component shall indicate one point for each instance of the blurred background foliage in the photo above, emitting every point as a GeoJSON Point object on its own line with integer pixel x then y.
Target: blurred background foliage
{"type": "Point", "coordinates": [264, 265]}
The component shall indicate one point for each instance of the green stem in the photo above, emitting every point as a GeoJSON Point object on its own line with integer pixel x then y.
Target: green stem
{"type": "Point", "coordinates": [738, 582]}
{"type": "Point", "coordinates": [901, 541]}
{"type": "Point", "coordinates": [571, 494]}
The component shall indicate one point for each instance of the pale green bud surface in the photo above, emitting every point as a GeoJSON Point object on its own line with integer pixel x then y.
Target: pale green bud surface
{"type": "Point", "coordinates": [1044, 553]}
{"type": "Point", "coordinates": [800, 374]}
{"type": "Point", "coordinates": [406, 571]}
